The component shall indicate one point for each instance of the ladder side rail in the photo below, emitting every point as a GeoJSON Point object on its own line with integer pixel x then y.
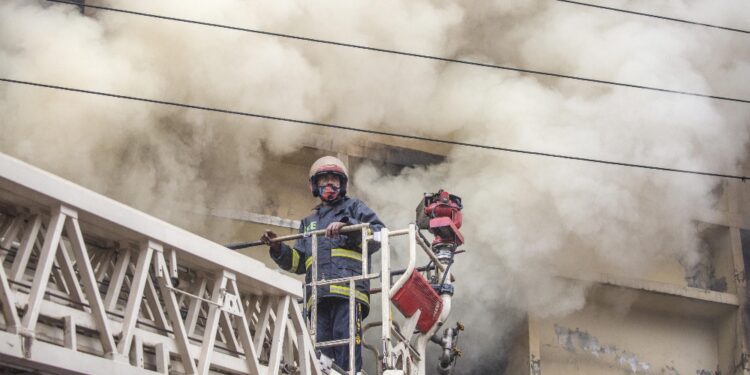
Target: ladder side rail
{"type": "Point", "coordinates": [352, 290]}
{"type": "Point", "coordinates": [411, 265]}
{"type": "Point", "coordinates": [314, 291]}
{"type": "Point", "coordinates": [365, 251]}
{"type": "Point", "coordinates": [352, 339]}
{"type": "Point", "coordinates": [385, 299]}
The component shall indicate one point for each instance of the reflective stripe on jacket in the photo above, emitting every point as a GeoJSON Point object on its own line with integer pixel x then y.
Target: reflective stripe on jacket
{"type": "Point", "coordinates": [338, 257]}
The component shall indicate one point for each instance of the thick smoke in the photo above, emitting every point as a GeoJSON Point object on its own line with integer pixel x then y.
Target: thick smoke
{"type": "Point", "coordinates": [530, 218]}
{"type": "Point", "coordinates": [150, 156]}
{"type": "Point", "coordinates": [527, 218]}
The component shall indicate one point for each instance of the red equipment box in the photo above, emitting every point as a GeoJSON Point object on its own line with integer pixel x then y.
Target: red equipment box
{"type": "Point", "coordinates": [417, 294]}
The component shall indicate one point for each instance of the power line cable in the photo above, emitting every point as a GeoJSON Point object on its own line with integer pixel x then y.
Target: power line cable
{"type": "Point", "coordinates": [409, 54]}
{"type": "Point", "coordinates": [369, 131]}
{"type": "Point", "coordinates": [655, 16]}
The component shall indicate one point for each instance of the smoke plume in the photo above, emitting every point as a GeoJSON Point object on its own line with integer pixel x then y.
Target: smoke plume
{"type": "Point", "coordinates": [527, 218]}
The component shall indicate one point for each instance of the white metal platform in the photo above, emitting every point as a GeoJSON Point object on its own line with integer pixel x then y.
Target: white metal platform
{"type": "Point", "coordinates": [89, 285]}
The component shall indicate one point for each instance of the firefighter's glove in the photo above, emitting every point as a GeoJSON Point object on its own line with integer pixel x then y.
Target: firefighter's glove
{"type": "Point", "coordinates": [266, 239]}
{"type": "Point", "coordinates": [333, 229]}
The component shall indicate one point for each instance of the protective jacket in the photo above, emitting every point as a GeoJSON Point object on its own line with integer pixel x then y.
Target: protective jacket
{"type": "Point", "coordinates": [340, 256]}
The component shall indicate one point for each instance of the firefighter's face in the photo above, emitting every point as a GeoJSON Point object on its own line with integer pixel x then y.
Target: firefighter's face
{"type": "Point", "coordinates": [329, 179]}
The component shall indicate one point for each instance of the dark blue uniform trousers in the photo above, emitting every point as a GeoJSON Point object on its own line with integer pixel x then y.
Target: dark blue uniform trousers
{"type": "Point", "coordinates": [333, 324]}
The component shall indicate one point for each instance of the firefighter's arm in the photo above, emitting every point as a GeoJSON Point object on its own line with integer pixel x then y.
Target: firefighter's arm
{"type": "Point", "coordinates": [363, 214]}
{"type": "Point", "coordinates": [289, 259]}
{"type": "Point", "coordinates": [360, 213]}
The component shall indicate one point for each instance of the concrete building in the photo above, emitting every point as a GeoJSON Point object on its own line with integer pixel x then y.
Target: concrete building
{"type": "Point", "coordinates": [675, 321]}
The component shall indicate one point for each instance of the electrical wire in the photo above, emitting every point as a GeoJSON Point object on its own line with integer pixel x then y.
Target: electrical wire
{"type": "Point", "coordinates": [409, 54]}
{"type": "Point", "coordinates": [370, 131]}
{"type": "Point", "coordinates": [655, 16]}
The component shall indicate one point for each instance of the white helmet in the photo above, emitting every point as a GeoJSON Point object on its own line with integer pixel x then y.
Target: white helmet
{"type": "Point", "coordinates": [325, 165]}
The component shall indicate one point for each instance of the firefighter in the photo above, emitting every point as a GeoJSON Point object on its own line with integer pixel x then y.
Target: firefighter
{"type": "Point", "coordinates": [339, 255]}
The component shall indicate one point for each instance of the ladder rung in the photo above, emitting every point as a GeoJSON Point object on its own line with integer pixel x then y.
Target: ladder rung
{"type": "Point", "coordinates": [345, 279]}
{"type": "Point", "coordinates": [328, 344]}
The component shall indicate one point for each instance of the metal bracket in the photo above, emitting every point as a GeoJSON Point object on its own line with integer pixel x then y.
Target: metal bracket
{"type": "Point", "coordinates": [27, 339]}
{"type": "Point", "coordinates": [231, 304]}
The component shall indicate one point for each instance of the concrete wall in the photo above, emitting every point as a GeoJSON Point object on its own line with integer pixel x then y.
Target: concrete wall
{"type": "Point", "coordinates": [602, 339]}
{"type": "Point", "coordinates": [677, 320]}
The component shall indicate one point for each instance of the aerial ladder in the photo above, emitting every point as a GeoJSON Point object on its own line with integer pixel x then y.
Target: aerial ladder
{"type": "Point", "coordinates": [89, 285]}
